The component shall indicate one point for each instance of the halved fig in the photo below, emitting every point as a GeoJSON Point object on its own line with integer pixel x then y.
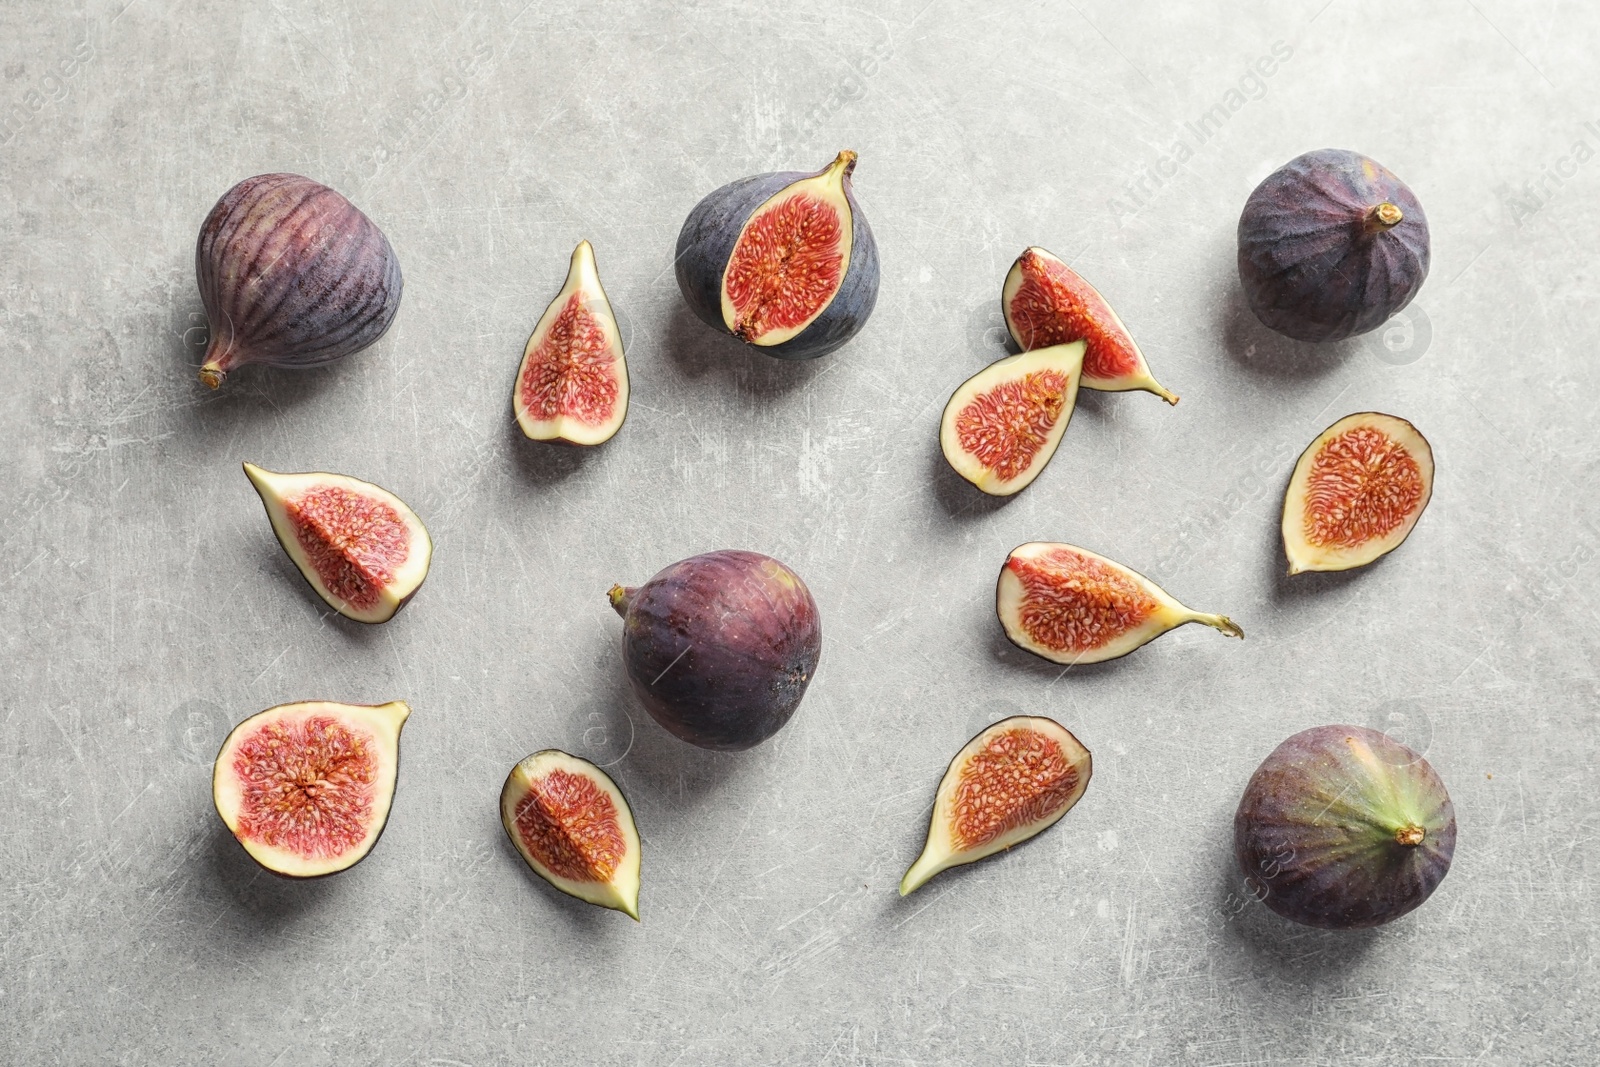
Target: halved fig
{"type": "Point", "coordinates": [1003, 424]}
{"type": "Point", "coordinates": [1070, 605]}
{"type": "Point", "coordinates": [1011, 782]}
{"type": "Point", "coordinates": [1046, 302]}
{"type": "Point", "coordinates": [572, 385]}
{"type": "Point", "coordinates": [306, 788]}
{"type": "Point", "coordinates": [784, 261]}
{"type": "Point", "coordinates": [359, 546]}
{"type": "Point", "coordinates": [1356, 492]}
{"type": "Point", "coordinates": [574, 827]}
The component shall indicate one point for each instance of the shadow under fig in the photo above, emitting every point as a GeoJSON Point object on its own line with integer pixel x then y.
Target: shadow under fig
{"type": "Point", "coordinates": [1262, 351]}
{"type": "Point", "coordinates": [696, 351]}
{"type": "Point", "coordinates": [260, 903]}
{"type": "Point", "coordinates": [960, 500]}
{"type": "Point", "coordinates": [589, 918]}
{"type": "Point", "coordinates": [1001, 648]}
{"type": "Point", "coordinates": [546, 463]}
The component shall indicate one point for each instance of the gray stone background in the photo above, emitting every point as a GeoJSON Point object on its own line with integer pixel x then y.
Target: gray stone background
{"type": "Point", "coordinates": [145, 608]}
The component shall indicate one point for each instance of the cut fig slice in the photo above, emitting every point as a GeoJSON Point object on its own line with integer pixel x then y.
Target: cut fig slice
{"type": "Point", "coordinates": [306, 788]}
{"type": "Point", "coordinates": [357, 544]}
{"type": "Point", "coordinates": [1011, 782]}
{"type": "Point", "coordinates": [572, 824]}
{"type": "Point", "coordinates": [1003, 424]}
{"type": "Point", "coordinates": [572, 385]}
{"type": "Point", "coordinates": [1356, 492]}
{"type": "Point", "coordinates": [790, 257]}
{"type": "Point", "coordinates": [1070, 605]}
{"type": "Point", "coordinates": [1046, 302]}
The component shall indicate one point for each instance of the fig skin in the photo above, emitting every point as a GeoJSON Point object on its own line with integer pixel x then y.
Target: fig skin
{"type": "Point", "coordinates": [291, 275]}
{"type": "Point", "coordinates": [1343, 828]}
{"type": "Point", "coordinates": [1322, 256]}
{"type": "Point", "coordinates": [720, 648]}
{"type": "Point", "coordinates": [712, 229]}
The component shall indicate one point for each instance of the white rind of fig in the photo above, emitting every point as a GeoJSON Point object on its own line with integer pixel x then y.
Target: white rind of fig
{"type": "Point", "coordinates": [281, 493]}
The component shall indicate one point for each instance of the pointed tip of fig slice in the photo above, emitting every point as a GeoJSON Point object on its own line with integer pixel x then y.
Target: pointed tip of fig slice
{"type": "Point", "coordinates": [572, 825]}
{"type": "Point", "coordinates": [1046, 302]}
{"type": "Point", "coordinates": [1011, 782]}
{"type": "Point", "coordinates": [572, 383]}
{"type": "Point", "coordinates": [1356, 493]}
{"type": "Point", "coordinates": [1070, 605]}
{"type": "Point", "coordinates": [357, 544]}
{"type": "Point", "coordinates": [1002, 425]}
{"type": "Point", "coordinates": [306, 788]}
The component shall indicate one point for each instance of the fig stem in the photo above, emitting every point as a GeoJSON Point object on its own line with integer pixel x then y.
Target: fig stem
{"type": "Point", "coordinates": [212, 376]}
{"type": "Point", "coordinates": [1219, 622]}
{"type": "Point", "coordinates": [1410, 835]}
{"type": "Point", "coordinates": [1385, 216]}
{"type": "Point", "coordinates": [619, 596]}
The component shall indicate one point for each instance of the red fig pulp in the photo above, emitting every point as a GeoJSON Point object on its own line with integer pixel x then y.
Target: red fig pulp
{"type": "Point", "coordinates": [292, 275]}
{"type": "Point", "coordinates": [572, 385]}
{"type": "Point", "coordinates": [1002, 425]}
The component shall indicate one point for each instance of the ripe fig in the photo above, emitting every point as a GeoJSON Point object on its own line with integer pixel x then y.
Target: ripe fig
{"type": "Point", "coordinates": [306, 787]}
{"type": "Point", "coordinates": [1069, 605]}
{"type": "Point", "coordinates": [359, 546]}
{"type": "Point", "coordinates": [292, 275]}
{"type": "Point", "coordinates": [1002, 425]}
{"type": "Point", "coordinates": [1356, 492]}
{"type": "Point", "coordinates": [782, 261]}
{"type": "Point", "coordinates": [572, 385]}
{"type": "Point", "coordinates": [1343, 827]}
{"type": "Point", "coordinates": [572, 824]}
{"type": "Point", "coordinates": [1330, 245]}
{"type": "Point", "coordinates": [720, 647]}
{"type": "Point", "coordinates": [1046, 302]}
{"type": "Point", "coordinates": [1011, 782]}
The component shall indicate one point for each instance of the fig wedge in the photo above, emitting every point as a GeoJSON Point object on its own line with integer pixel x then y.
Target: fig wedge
{"type": "Point", "coordinates": [1011, 782]}
{"type": "Point", "coordinates": [1003, 424]}
{"type": "Point", "coordinates": [358, 545]}
{"type": "Point", "coordinates": [306, 788]}
{"type": "Point", "coordinates": [1070, 605]}
{"type": "Point", "coordinates": [573, 826]}
{"type": "Point", "coordinates": [1356, 493]}
{"type": "Point", "coordinates": [572, 385]}
{"type": "Point", "coordinates": [1046, 302]}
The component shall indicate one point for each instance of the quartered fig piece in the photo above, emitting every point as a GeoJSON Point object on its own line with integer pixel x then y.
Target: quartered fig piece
{"type": "Point", "coordinates": [359, 546]}
{"type": "Point", "coordinates": [306, 788]}
{"type": "Point", "coordinates": [1331, 245]}
{"type": "Point", "coordinates": [1011, 782]}
{"type": "Point", "coordinates": [572, 385]}
{"type": "Point", "coordinates": [1070, 605]}
{"type": "Point", "coordinates": [720, 647]}
{"type": "Point", "coordinates": [1046, 302]}
{"type": "Point", "coordinates": [1003, 424]}
{"type": "Point", "coordinates": [292, 275]}
{"type": "Point", "coordinates": [572, 824]}
{"type": "Point", "coordinates": [782, 261]}
{"type": "Point", "coordinates": [1356, 492]}
{"type": "Point", "coordinates": [1343, 827]}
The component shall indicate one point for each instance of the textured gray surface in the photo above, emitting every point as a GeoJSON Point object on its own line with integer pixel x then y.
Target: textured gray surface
{"type": "Point", "coordinates": [144, 606]}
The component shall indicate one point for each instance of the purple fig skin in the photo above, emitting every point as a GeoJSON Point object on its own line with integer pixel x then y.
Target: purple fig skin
{"type": "Point", "coordinates": [1342, 828]}
{"type": "Point", "coordinates": [720, 647]}
{"type": "Point", "coordinates": [292, 275]}
{"type": "Point", "coordinates": [712, 229]}
{"type": "Point", "coordinates": [1320, 258]}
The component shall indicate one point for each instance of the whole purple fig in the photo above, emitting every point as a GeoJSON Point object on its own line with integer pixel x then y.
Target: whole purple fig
{"type": "Point", "coordinates": [1343, 827]}
{"type": "Point", "coordinates": [720, 647]}
{"type": "Point", "coordinates": [292, 275]}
